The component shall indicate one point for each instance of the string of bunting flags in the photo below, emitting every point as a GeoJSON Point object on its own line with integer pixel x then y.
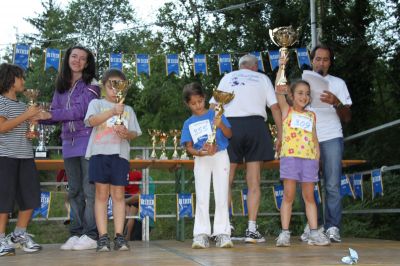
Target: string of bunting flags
{"type": "Point", "coordinates": [21, 57]}
{"type": "Point", "coordinates": [351, 185]}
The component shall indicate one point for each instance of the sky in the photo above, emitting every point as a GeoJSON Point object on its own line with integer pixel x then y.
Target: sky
{"type": "Point", "coordinates": [12, 14]}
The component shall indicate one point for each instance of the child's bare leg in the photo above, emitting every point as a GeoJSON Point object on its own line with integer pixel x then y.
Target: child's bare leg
{"type": "Point", "coordinates": [311, 207]}
{"type": "Point", "coordinates": [118, 199]}
{"type": "Point", "coordinates": [130, 211]}
{"type": "Point", "coordinates": [3, 222]}
{"type": "Point", "coordinates": [289, 193]}
{"type": "Point", "coordinates": [100, 207]}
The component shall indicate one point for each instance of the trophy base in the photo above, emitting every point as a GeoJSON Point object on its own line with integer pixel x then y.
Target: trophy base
{"type": "Point", "coordinates": [41, 154]}
{"type": "Point", "coordinates": [163, 157]}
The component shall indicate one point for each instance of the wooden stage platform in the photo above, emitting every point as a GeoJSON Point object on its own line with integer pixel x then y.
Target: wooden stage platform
{"type": "Point", "coordinates": [171, 252]}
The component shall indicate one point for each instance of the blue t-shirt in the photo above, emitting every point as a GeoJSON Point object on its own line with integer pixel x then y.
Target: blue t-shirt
{"type": "Point", "coordinates": [197, 128]}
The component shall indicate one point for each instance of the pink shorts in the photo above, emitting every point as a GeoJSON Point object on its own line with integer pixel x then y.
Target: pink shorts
{"type": "Point", "coordinates": [299, 169]}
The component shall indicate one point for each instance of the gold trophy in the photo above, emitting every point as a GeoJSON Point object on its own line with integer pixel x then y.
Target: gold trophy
{"type": "Point", "coordinates": [274, 135]}
{"type": "Point", "coordinates": [283, 37]}
{"type": "Point", "coordinates": [175, 133]}
{"type": "Point", "coordinates": [32, 95]}
{"type": "Point", "coordinates": [163, 139]}
{"type": "Point", "coordinates": [184, 155]}
{"type": "Point", "coordinates": [120, 88]}
{"type": "Point", "coordinates": [222, 98]}
{"type": "Point", "coordinates": [154, 133]}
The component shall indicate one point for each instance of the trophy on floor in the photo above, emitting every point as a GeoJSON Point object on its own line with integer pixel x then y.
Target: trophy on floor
{"type": "Point", "coordinates": [222, 98]}
{"type": "Point", "coordinates": [175, 133]}
{"type": "Point", "coordinates": [274, 135]}
{"type": "Point", "coordinates": [32, 95]}
{"type": "Point", "coordinates": [120, 88]}
{"type": "Point", "coordinates": [154, 133]}
{"type": "Point", "coordinates": [44, 134]}
{"type": "Point", "coordinates": [163, 140]}
{"type": "Point", "coordinates": [283, 37]}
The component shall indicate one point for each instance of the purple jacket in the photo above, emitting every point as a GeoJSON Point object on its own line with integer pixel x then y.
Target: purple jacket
{"type": "Point", "coordinates": [70, 108]}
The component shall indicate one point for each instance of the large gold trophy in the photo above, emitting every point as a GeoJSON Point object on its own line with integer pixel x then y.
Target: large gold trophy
{"type": "Point", "coordinates": [222, 98]}
{"type": "Point", "coordinates": [175, 133]}
{"type": "Point", "coordinates": [32, 95]}
{"type": "Point", "coordinates": [120, 88]}
{"type": "Point", "coordinates": [283, 37]}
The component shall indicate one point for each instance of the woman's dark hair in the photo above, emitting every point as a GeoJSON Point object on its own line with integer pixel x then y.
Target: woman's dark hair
{"type": "Point", "coordinates": [8, 73]}
{"type": "Point", "coordinates": [293, 88]}
{"type": "Point", "coordinates": [112, 73]}
{"type": "Point", "coordinates": [324, 47]}
{"type": "Point", "coordinates": [191, 89]}
{"type": "Point", "coordinates": [63, 82]}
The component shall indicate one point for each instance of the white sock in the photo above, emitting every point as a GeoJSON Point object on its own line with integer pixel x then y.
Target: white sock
{"type": "Point", "coordinates": [252, 226]}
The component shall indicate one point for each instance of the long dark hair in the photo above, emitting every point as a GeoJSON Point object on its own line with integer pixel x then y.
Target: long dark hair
{"type": "Point", "coordinates": [191, 89]}
{"type": "Point", "coordinates": [63, 82]}
{"type": "Point", "coordinates": [8, 73]}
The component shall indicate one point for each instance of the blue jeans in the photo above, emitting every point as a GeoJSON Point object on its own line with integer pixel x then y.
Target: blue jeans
{"type": "Point", "coordinates": [331, 157]}
{"type": "Point", "coordinates": [81, 197]}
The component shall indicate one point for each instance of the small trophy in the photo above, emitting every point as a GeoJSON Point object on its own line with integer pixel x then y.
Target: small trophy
{"type": "Point", "coordinates": [274, 135]}
{"type": "Point", "coordinates": [163, 139]}
{"type": "Point", "coordinates": [283, 37]}
{"type": "Point", "coordinates": [222, 98]}
{"type": "Point", "coordinates": [32, 95]}
{"type": "Point", "coordinates": [184, 155]}
{"type": "Point", "coordinates": [175, 133]}
{"type": "Point", "coordinates": [120, 88]}
{"type": "Point", "coordinates": [154, 133]}
{"type": "Point", "coordinates": [44, 135]}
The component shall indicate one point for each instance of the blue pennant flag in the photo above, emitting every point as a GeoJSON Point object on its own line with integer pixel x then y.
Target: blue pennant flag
{"type": "Point", "coordinates": [224, 63]}
{"type": "Point", "coordinates": [184, 204]}
{"type": "Point", "coordinates": [109, 208]}
{"type": "Point", "coordinates": [142, 64]}
{"type": "Point", "coordinates": [147, 206]}
{"type": "Point", "coordinates": [244, 200]}
{"type": "Point", "coordinates": [317, 194]}
{"type": "Point", "coordinates": [44, 209]}
{"type": "Point", "coordinates": [278, 195]}
{"type": "Point", "coordinates": [260, 62]}
{"type": "Point", "coordinates": [303, 58]}
{"type": "Point", "coordinates": [357, 182]}
{"type": "Point", "coordinates": [116, 61]}
{"type": "Point", "coordinates": [21, 55]}
{"type": "Point", "coordinates": [345, 187]}
{"type": "Point", "coordinates": [377, 183]}
{"type": "Point", "coordinates": [52, 59]}
{"type": "Point", "coordinates": [172, 62]}
{"type": "Point", "coordinates": [273, 59]}
{"type": "Point", "coordinates": [200, 64]}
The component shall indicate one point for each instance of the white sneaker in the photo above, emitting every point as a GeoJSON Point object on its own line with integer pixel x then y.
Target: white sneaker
{"type": "Point", "coordinates": [283, 240]}
{"type": "Point", "coordinates": [224, 241]}
{"type": "Point", "coordinates": [84, 243]}
{"type": "Point", "coordinates": [306, 233]}
{"type": "Point", "coordinates": [70, 243]}
{"type": "Point", "coordinates": [333, 234]}
{"type": "Point", "coordinates": [318, 239]}
{"type": "Point", "coordinates": [200, 241]}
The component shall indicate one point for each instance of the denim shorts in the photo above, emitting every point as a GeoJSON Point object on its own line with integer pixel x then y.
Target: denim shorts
{"type": "Point", "coordinates": [109, 169]}
{"type": "Point", "coordinates": [299, 169]}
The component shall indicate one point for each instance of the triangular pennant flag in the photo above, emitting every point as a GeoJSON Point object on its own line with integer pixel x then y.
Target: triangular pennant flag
{"type": "Point", "coordinates": [278, 195]}
{"type": "Point", "coordinates": [377, 183]}
{"type": "Point", "coordinates": [224, 63]}
{"type": "Point", "coordinates": [172, 63]}
{"type": "Point", "coordinates": [44, 209]}
{"type": "Point", "coordinates": [259, 60]}
{"type": "Point", "coordinates": [357, 182]}
{"type": "Point", "coordinates": [142, 64]}
{"type": "Point", "coordinates": [273, 59]}
{"type": "Point", "coordinates": [21, 55]}
{"type": "Point", "coordinates": [200, 64]}
{"type": "Point", "coordinates": [244, 200]}
{"type": "Point", "coordinates": [303, 58]}
{"type": "Point", "coordinates": [116, 61]}
{"type": "Point", "coordinates": [52, 59]}
{"type": "Point", "coordinates": [184, 204]}
{"type": "Point", "coordinates": [147, 206]}
{"type": "Point", "coordinates": [345, 187]}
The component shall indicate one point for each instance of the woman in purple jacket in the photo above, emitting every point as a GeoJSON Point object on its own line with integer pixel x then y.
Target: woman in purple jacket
{"type": "Point", "coordinates": [75, 88]}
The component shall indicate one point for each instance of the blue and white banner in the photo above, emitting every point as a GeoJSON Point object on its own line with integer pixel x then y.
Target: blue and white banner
{"type": "Point", "coordinates": [44, 209]}
{"type": "Point", "coordinates": [172, 63]}
{"type": "Point", "coordinates": [116, 61]}
{"type": "Point", "coordinates": [260, 62]}
{"type": "Point", "coordinates": [303, 58]}
{"type": "Point", "coordinates": [21, 55]}
{"type": "Point", "coordinates": [200, 64]}
{"type": "Point", "coordinates": [184, 205]}
{"type": "Point", "coordinates": [278, 195]}
{"type": "Point", "coordinates": [142, 64]}
{"type": "Point", "coordinates": [244, 200]}
{"type": "Point", "coordinates": [357, 182]}
{"type": "Point", "coordinates": [109, 208]}
{"type": "Point", "coordinates": [377, 183]}
{"type": "Point", "coordinates": [273, 59]}
{"type": "Point", "coordinates": [224, 63]}
{"type": "Point", "coordinates": [317, 194]}
{"type": "Point", "coordinates": [147, 206]}
{"type": "Point", "coordinates": [345, 187]}
{"type": "Point", "coordinates": [52, 59]}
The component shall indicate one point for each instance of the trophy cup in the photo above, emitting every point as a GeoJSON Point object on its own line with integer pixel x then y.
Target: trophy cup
{"type": "Point", "coordinates": [32, 95]}
{"type": "Point", "coordinates": [44, 135]}
{"type": "Point", "coordinates": [184, 155]}
{"type": "Point", "coordinates": [163, 139]}
{"type": "Point", "coordinates": [274, 135]}
{"type": "Point", "coordinates": [175, 133]}
{"type": "Point", "coordinates": [154, 133]}
{"type": "Point", "coordinates": [222, 98]}
{"type": "Point", "coordinates": [120, 88]}
{"type": "Point", "coordinates": [283, 37]}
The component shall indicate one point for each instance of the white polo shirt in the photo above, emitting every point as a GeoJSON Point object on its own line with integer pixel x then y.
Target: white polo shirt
{"type": "Point", "coordinates": [253, 93]}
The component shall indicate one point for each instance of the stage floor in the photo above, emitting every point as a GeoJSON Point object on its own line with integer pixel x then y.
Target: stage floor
{"type": "Point", "coordinates": [171, 252]}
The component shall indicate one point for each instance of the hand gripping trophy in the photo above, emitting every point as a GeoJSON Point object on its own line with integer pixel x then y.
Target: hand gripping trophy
{"type": "Point", "coordinates": [32, 95]}
{"type": "Point", "coordinates": [283, 37]}
{"type": "Point", "coordinates": [44, 134]}
{"type": "Point", "coordinates": [120, 88]}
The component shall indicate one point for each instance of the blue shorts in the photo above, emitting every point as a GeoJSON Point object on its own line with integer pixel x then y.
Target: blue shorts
{"type": "Point", "coordinates": [109, 169]}
{"type": "Point", "coordinates": [299, 169]}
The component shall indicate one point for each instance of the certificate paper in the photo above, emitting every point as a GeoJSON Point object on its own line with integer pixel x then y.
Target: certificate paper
{"type": "Point", "coordinates": [318, 86]}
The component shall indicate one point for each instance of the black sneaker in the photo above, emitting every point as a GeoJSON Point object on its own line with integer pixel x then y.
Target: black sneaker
{"type": "Point", "coordinates": [253, 237]}
{"type": "Point", "coordinates": [103, 244]}
{"type": "Point", "coordinates": [120, 243]}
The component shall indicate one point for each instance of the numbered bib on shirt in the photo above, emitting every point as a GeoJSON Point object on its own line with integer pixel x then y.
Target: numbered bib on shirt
{"type": "Point", "coordinates": [302, 121]}
{"type": "Point", "coordinates": [200, 129]}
